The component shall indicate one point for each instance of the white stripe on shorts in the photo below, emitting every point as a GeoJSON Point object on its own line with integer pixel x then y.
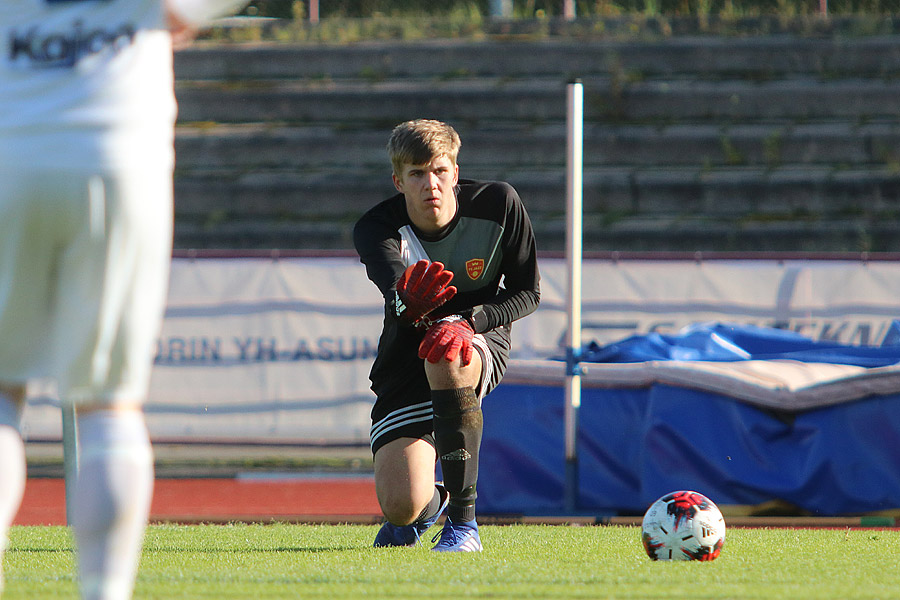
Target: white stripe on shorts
{"type": "Point", "coordinates": [401, 417]}
{"type": "Point", "coordinates": [487, 365]}
{"type": "Point", "coordinates": [418, 413]}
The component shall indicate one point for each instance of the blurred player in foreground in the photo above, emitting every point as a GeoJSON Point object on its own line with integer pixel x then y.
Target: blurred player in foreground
{"type": "Point", "coordinates": [443, 346]}
{"type": "Point", "coordinates": [87, 114]}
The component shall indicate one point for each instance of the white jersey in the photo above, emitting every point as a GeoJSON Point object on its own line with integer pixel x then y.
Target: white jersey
{"type": "Point", "coordinates": [85, 84]}
{"type": "Point", "coordinates": [88, 83]}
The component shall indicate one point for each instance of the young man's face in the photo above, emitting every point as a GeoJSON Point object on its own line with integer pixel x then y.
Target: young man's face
{"type": "Point", "coordinates": [428, 190]}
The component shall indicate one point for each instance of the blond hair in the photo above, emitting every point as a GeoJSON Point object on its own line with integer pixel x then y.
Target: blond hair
{"type": "Point", "coordinates": [418, 142]}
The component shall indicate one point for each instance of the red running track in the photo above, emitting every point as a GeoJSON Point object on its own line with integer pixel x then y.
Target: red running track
{"type": "Point", "coordinates": [320, 500]}
{"type": "Point", "coordinates": [338, 499]}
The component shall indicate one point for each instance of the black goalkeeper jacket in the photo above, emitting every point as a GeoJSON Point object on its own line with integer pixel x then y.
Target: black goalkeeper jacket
{"type": "Point", "coordinates": [489, 246]}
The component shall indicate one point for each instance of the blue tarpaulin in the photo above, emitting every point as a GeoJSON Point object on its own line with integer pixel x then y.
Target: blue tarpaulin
{"type": "Point", "coordinates": [637, 441]}
{"type": "Point", "coordinates": [721, 342]}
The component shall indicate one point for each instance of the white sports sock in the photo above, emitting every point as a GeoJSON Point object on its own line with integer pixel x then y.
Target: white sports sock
{"type": "Point", "coordinates": [112, 501]}
{"type": "Point", "coordinates": [12, 470]}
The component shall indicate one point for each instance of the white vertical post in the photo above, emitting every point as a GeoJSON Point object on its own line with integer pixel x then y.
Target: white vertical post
{"type": "Point", "coordinates": [501, 9]}
{"type": "Point", "coordinates": [313, 11]}
{"type": "Point", "coordinates": [574, 168]}
{"type": "Point", "coordinates": [70, 454]}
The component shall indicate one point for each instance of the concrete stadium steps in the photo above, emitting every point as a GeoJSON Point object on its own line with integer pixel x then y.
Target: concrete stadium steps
{"type": "Point", "coordinates": [718, 202]}
{"type": "Point", "coordinates": [263, 234]}
{"type": "Point", "coordinates": [691, 143]}
{"type": "Point", "coordinates": [642, 234]}
{"type": "Point", "coordinates": [601, 234]}
{"type": "Point", "coordinates": [609, 192]}
{"type": "Point", "coordinates": [799, 99]}
{"type": "Point", "coordinates": [758, 58]}
{"type": "Point", "coordinates": [358, 103]}
{"type": "Point", "coordinates": [250, 146]}
{"type": "Point", "coordinates": [535, 101]}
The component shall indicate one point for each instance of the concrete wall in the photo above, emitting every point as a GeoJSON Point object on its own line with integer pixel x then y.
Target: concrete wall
{"type": "Point", "coordinates": [695, 142]}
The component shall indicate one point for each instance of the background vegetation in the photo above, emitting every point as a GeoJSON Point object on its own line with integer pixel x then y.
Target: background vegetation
{"type": "Point", "coordinates": [349, 21]}
{"type": "Point", "coordinates": [530, 9]}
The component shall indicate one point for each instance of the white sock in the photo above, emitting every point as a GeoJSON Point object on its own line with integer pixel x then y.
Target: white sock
{"type": "Point", "coordinates": [12, 470]}
{"type": "Point", "coordinates": [112, 501]}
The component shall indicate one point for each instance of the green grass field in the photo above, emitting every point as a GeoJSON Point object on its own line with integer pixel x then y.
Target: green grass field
{"type": "Point", "coordinates": [519, 561]}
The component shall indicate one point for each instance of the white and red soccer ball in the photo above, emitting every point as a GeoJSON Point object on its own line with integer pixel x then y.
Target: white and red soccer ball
{"type": "Point", "coordinates": [683, 525]}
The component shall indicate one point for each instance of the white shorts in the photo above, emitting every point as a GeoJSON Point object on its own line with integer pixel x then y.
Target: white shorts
{"type": "Point", "coordinates": [84, 263]}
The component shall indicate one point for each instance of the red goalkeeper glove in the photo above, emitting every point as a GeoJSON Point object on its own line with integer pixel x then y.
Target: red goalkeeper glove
{"type": "Point", "coordinates": [422, 288]}
{"type": "Point", "coordinates": [448, 338]}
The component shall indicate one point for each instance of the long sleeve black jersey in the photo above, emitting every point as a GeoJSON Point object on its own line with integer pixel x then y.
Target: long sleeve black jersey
{"type": "Point", "coordinates": [489, 246]}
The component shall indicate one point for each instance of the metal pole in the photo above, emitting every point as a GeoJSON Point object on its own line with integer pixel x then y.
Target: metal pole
{"type": "Point", "coordinates": [574, 168]}
{"type": "Point", "coordinates": [70, 455]}
{"type": "Point", "coordinates": [501, 9]}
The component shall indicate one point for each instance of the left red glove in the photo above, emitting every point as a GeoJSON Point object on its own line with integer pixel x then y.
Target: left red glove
{"type": "Point", "coordinates": [422, 288]}
{"type": "Point", "coordinates": [448, 338]}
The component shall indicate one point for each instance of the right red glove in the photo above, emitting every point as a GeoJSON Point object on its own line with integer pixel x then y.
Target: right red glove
{"type": "Point", "coordinates": [448, 338]}
{"type": "Point", "coordinates": [422, 288]}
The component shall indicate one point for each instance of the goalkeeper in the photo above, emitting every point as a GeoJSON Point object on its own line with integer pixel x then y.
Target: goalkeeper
{"type": "Point", "coordinates": [438, 252]}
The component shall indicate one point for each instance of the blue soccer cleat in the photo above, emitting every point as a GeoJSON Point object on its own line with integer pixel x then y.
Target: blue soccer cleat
{"type": "Point", "coordinates": [409, 535]}
{"type": "Point", "coordinates": [458, 537]}
{"type": "Point", "coordinates": [396, 535]}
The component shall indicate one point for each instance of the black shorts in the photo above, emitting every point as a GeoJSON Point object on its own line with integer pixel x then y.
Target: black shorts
{"type": "Point", "coordinates": [406, 412]}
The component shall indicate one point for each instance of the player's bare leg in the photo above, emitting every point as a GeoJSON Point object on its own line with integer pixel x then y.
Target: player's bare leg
{"type": "Point", "coordinates": [12, 461]}
{"type": "Point", "coordinates": [112, 498]}
{"type": "Point", "coordinates": [406, 491]}
{"type": "Point", "coordinates": [448, 375]}
{"type": "Point", "coordinates": [404, 478]}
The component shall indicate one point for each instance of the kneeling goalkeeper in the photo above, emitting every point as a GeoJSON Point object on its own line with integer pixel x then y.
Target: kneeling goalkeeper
{"type": "Point", "coordinates": [438, 252]}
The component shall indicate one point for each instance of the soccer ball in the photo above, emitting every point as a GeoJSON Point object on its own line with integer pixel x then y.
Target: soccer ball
{"type": "Point", "coordinates": [683, 525]}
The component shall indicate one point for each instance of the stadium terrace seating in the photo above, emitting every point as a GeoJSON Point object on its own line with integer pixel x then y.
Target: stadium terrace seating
{"type": "Point", "coordinates": [780, 142]}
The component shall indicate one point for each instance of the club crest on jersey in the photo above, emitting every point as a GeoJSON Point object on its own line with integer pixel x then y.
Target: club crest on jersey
{"type": "Point", "coordinates": [474, 268]}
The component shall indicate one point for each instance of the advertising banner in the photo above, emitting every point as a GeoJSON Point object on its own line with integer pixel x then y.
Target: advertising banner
{"type": "Point", "coordinates": [278, 349]}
